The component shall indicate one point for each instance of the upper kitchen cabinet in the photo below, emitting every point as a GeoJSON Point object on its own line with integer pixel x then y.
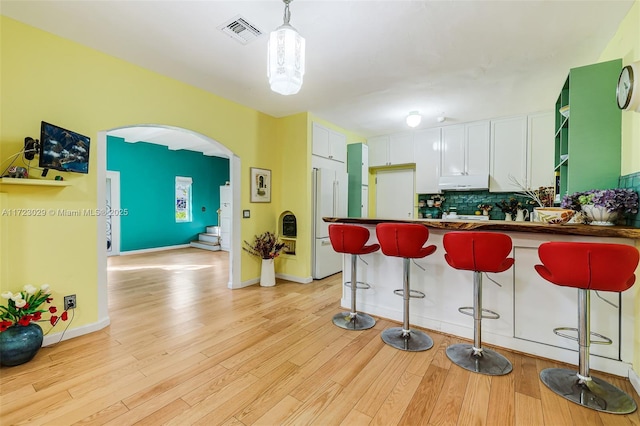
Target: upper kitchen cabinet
{"type": "Point", "coordinates": [508, 153]}
{"type": "Point", "coordinates": [540, 149]}
{"type": "Point", "coordinates": [329, 144]}
{"type": "Point", "coordinates": [391, 150]}
{"type": "Point", "coordinates": [465, 149]}
{"type": "Point", "coordinates": [521, 148]}
{"type": "Point", "coordinates": [588, 130]}
{"type": "Point", "coordinates": [427, 156]}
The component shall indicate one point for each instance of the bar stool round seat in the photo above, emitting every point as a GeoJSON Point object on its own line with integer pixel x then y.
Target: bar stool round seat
{"type": "Point", "coordinates": [405, 240]}
{"type": "Point", "coordinates": [352, 239]}
{"type": "Point", "coordinates": [586, 267]}
{"type": "Point", "coordinates": [478, 252]}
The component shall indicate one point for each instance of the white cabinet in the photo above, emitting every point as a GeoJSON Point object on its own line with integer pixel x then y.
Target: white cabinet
{"type": "Point", "coordinates": [540, 139]}
{"type": "Point", "coordinates": [427, 156]}
{"type": "Point", "coordinates": [522, 147]}
{"type": "Point", "coordinates": [391, 150]}
{"type": "Point", "coordinates": [329, 144]}
{"type": "Point", "coordinates": [508, 153]}
{"type": "Point", "coordinates": [465, 149]}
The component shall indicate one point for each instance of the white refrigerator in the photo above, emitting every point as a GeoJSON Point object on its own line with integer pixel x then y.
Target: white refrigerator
{"type": "Point", "coordinates": [329, 200]}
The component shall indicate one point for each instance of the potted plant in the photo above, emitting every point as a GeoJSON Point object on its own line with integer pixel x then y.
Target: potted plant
{"type": "Point", "coordinates": [266, 247]}
{"type": "Point", "coordinates": [20, 336]}
{"type": "Point", "coordinates": [437, 200]}
{"type": "Point", "coordinates": [486, 208]}
{"type": "Point", "coordinates": [603, 206]}
{"type": "Point", "coordinates": [509, 208]}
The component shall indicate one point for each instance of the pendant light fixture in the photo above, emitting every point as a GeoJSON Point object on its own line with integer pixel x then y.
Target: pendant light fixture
{"type": "Point", "coordinates": [285, 67]}
{"type": "Point", "coordinates": [413, 119]}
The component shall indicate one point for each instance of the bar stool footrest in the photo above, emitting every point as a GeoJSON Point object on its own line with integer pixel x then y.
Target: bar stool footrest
{"type": "Point", "coordinates": [559, 331]}
{"type": "Point", "coordinates": [488, 362]}
{"type": "Point", "coordinates": [595, 393]}
{"type": "Point", "coordinates": [412, 293]}
{"type": "Point", "coordinates": [491, 314]}
{"type": "Point", "coordinates": [359, 285]}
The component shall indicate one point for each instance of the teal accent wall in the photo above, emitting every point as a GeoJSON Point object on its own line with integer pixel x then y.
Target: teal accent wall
{"type": "Point", "coordinates": [147, 190]}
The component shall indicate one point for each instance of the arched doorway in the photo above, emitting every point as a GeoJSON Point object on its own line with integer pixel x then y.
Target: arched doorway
{"type": "Point", "coordinates": [234, 173]}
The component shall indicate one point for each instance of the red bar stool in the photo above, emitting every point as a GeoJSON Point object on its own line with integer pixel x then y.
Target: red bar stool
{"type": "Point", "coordinates": [405, 241]}
{"type": "Point", "coordinates": [351, 239]}
{"type": "Point", "coordinates": [587, 266]}
{"type": "Point", "coordinates": [478, 252]}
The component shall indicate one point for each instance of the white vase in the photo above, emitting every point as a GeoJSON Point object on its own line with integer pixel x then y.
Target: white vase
{"type": "Point", "coordinates": [507, 217]}
{"type": "Point", "coordinates": [268, 273]}
{"type": "Point", "coordinates": [522, 215]}
{"type": "Point", "coordinates": [599, 215]}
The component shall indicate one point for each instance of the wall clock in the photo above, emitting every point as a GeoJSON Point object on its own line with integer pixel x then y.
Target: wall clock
{"type": "Point", "coordinates": [628, 91]}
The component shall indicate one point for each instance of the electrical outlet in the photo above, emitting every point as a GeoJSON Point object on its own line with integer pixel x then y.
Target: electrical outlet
{"type": "Point", "coordinates": [70, 302]}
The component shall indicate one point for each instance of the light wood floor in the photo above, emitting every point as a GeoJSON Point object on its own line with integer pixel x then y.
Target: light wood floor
{"type": "Point", "coordinates": [183, 349]}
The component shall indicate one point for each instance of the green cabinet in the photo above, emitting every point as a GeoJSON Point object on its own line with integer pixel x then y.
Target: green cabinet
{"type": "Point", "coordinates": [358, 170]}
{"type": "Point", "coordinates": [588, 138]}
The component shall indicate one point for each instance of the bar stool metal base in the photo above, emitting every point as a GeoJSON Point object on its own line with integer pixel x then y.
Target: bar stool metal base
{"type": "Point", "coordinates": [359, 321]}
{"type": "Point", "coordinates": [595, 393]}
{"type": "Point", "coordinates": [414, 341]}
{"type": "Point", "coordinates": [490, 362]}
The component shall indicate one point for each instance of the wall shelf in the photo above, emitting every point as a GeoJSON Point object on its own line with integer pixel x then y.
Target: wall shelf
{"type": "Point", "coordinates": [33, 182]}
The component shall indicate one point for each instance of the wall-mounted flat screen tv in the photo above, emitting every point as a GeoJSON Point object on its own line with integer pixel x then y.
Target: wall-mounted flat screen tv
{"type": "Point", "coordinates": [62, 149]}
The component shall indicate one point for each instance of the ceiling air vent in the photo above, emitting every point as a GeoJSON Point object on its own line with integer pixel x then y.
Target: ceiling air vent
{"type": "Point", "coordinates": [241, 30]}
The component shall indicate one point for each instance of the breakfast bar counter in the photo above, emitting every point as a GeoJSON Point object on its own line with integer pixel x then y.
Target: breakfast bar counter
{"type": "Point", "coordinates": [503, 225]}
{"type": "Point", "coordinates": [529, 306]}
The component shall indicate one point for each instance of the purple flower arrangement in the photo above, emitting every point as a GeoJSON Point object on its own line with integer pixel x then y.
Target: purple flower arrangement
{"type": "Point", "coordinates": [265, 246]}
{"type": "Point", "coordinates": [613, 200]}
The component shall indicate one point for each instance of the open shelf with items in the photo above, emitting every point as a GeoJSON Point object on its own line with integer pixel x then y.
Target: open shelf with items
{"type": "Point", "coordinates": [288, 232]}
{"type": "Point", "coordinates": [34, 182]}
{"type": "Point", "coordinates": [588, 132]}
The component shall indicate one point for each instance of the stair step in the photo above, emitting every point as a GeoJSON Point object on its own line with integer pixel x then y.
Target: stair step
{"type": "Point", "coordinates": [213, 230]}
{"type": "Point", "coordinates": [205, 245]}
{"type": "Point", "coordinates": [210, 238]}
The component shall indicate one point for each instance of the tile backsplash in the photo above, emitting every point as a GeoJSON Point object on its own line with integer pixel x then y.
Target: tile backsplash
{"type": "Point", "coordinates": [631, 181]}
{"type": "Point", "coordinates": [466, 202]}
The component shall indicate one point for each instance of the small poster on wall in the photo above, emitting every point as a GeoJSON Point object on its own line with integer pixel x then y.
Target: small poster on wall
{"type": "Point", "coordinates": [260, 185]}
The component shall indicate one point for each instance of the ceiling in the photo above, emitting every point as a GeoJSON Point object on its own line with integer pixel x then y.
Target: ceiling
{"type": "Point", "coordinates": [369, 63]}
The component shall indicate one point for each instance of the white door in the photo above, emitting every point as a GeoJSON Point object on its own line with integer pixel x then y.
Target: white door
{"type": "Point", "coordinates": [112, 204]}
{"type": "Point", "coordinates": [394, 194]}
{"type": "Point", "coordinates": [225, 217]}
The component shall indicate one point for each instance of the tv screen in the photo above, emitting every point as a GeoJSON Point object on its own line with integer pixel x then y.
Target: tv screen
{"type": "Point", "coordinates": [62, 149]}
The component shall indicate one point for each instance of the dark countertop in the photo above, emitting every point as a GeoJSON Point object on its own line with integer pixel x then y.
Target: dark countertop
{"type": "Point", "coordinates": [501, 225]}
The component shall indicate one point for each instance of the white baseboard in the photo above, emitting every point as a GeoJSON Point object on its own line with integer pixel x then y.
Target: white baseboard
{"type": "Point", "coordinates": [287, 277]}
{"type": "Point", "coordinates": [149, 250]}
{"type": "Point", "coordinates": [295, 279]}
{"type": "Point", "coordinates": [51, 339]}
{"type": "Point", "coordinates": [634, 378]}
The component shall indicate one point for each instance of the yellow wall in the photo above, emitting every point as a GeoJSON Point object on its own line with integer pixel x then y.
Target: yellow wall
{"type": "Point", "coordinates": [626, 45]}
{"type": "Point", "coordinates": [45, 77]}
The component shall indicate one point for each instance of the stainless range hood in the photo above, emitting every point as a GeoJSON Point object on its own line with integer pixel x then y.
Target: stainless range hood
{"type": "Point", "coordinates": [463, 183]}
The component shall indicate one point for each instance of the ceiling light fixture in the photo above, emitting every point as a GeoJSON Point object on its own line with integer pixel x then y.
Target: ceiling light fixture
{"type": "Point", "coordinates": [413, 119]}
{"type": "Point", "coordinates": [285, 56]}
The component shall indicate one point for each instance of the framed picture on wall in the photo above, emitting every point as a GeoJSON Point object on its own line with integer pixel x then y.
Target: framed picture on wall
{"type": "Point", "coordinates": [260, 185]}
